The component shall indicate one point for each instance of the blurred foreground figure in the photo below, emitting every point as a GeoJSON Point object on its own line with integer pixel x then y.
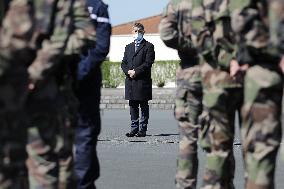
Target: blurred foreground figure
{"type": "Point", "coordinates": [259, 25]}
{"type": "Point", "coordinates": [41, 43]}
{"type": "Point", "coordinates": [89, 80]}
{"type": "Point", "coordinates": [178, 31]}
{"type": "Point", "coordinates": [222, 94]}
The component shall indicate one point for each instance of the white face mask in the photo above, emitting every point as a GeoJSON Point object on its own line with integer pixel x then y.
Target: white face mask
{"type": "Point", "coordinates": [137, 36]}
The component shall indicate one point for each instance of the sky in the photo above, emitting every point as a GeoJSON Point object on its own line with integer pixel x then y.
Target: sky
{"type": "Point", "coordinates": [122, 11]}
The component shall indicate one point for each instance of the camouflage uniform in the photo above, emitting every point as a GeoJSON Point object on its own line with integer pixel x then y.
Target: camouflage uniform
{"type": "Point", "coordinates": [42, 32]}
{"type": "Point", "coordinates": [222, 94]}
{"type": "Point", "coordinates": [3, 8]}
{"type": "Point", "coordinates": [178, 29]}
{"type": "Point", "coordinates": [15, 54]}
{"type": "Point", "coordinates": [276, 24]}
{"type": "Point", "coordinates": [263, 85]}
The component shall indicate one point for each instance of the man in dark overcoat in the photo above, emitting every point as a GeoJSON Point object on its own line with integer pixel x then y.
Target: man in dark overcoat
{"type": "Point", "coordinates": [136, 64]}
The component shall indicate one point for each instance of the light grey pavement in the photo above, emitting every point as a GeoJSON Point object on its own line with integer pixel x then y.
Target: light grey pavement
{"type": "Point", "coordinates": [150, 162]}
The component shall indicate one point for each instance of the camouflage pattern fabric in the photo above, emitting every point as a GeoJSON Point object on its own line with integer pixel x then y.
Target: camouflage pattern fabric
{"type": "Point", "coordinates": [215, 41]}
{"type": "Point", "coordinates": [205, 27]}
{"type": "Point", "coordinates": [57, 161]}
{"type": "Point", "coordinates": [276, 24]}
{"type": "Point", "coordinates": [188, 106]}
{"type": "Point", "coordinates": [251, 24]}
{"type": "Point", "coordinates": [33, 38]}
{"type": "Point", "coordinates": [222, 94]}
{"type": "Point", "coordinates": [261, 130]}
{"type": "Point", "coordinates": [73, 32]}
{"type": "Point", "coordinates": [222, 97]}
{"type": "Point", "coordinates": [13, 87]}
{"type": "Point", "coordinates": [3, 8]}
{"type": "Point", "coordinates": [179, 26]}
{"type": "Point", "coordinates": [261, 113]}
{"type": "Point", "coordinates": [179, 29]}
{"type": "Point", "coordinates": [13, 135]}
{"type": "Point", "coordinates": [52, 119]}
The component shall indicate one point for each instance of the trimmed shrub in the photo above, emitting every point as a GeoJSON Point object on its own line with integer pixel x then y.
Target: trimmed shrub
{"type": "Point", "coordinates": [112, 74]}
{"type": "Point", "coordinates": [162, 73]}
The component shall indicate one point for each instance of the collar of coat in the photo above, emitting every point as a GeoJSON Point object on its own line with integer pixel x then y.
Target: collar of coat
{"type": "Point", "coordinates": [138, 42]}
{"type": "Point", "coordinates": [142, 44]}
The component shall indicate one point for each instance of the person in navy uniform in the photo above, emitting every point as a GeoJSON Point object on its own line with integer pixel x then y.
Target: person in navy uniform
{"type": "Point", "coordinates": [136, 64]}
{"type": "Point", "coordinates": [88, 91]}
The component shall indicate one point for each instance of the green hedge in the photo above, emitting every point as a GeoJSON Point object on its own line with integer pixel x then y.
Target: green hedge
{"type": "Point", "coordinates": [162, 73]}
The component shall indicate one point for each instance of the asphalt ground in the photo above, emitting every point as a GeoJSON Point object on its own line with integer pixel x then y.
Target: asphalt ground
{"type": "Point", "coordinates": [150, 162]}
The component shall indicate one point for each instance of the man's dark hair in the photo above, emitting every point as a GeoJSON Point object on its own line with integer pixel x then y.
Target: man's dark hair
{"type": "Point", "coordinates": [139, 26]}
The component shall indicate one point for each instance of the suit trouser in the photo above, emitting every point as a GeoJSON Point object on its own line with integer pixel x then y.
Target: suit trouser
{"type": "Point", "coordinates": [88, 129]}
{"type": "Point", "coordinates": [134, 114]}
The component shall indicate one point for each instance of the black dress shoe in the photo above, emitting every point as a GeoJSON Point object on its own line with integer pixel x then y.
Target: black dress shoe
{"type": "Point", "coordinates": [131, 134]}
{"type": "Point", "coordinates": [141, 134]}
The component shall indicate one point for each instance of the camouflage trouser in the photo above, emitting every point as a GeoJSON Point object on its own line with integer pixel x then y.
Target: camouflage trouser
{"type": "Point", "coordinates": [222, 96]}
{"type": "Point", "coordinates": [13, 91]}
{"type": "Point", "coordinates": [50, 137]}
{"type": "Point", "coordinates": [261, 130]}
{"type": "Point", "coordinates": [188, 107]}
{"type": "Point", "coordinates": [13, 174]}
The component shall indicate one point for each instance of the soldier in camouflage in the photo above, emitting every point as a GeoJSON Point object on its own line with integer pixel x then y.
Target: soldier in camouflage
{"type": "Point", "coordinates": [15, 55]}
{"type": "Point", "coordinates": [39, 38]}
{"type": "Point", "coordinates": [210, 33]}
{"type": "Point", "coordinates": [258, 26]}
{"type": "Point", "coordinates": [276, 23]}
{"type": "Point", "coordinates": [222, 94]}
{"type": "Point", "coordinates": [3, 8]}
{"type": "Point", "coordinates": [178, 30]}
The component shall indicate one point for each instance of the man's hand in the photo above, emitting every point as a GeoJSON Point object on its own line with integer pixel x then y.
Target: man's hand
{"type": "Point", "coordinates": [131, 73]}
{"type": "Point", "coordinates": [235, 68]}
{"type": "Point", "coordinates": [281, 64]}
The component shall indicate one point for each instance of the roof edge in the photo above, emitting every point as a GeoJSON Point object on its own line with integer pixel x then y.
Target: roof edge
{"type": "Point", "coordinates": [138, 20]}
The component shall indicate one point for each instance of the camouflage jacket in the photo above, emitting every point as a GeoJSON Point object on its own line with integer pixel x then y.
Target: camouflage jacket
{"type": "Point", "coordinates": [179, 29]}
{"type": "Point", "coordinates": [204, 25]}
{"type": "Point", "coordinates": [51, 28]}
{"type": "Point", "coordinates": [276, 24]}
{"type": "Point", "coordinates": [3, 9]}
{"type": "Point", "coordinates": [256, 33]}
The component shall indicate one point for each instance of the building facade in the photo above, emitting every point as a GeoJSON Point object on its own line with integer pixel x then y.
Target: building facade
{"type": "Point", "coordinates": [121, 36]}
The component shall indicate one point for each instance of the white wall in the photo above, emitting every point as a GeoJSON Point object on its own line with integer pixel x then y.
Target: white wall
{"type": "Point", "coordinates": [118, 43]}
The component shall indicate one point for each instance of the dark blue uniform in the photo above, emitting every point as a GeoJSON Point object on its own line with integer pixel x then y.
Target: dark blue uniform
{"type": "Point", "coordinates": [89, 85]}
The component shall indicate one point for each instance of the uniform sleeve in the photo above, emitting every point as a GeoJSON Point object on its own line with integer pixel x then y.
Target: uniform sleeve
{"type": "Point", "coordinates": [100, 18]}
{"type": "Point", "coordinates": [168, 27]}
{"type": "Point", "coordinates": [175, 28]}
{"type": "Point", "coordinates": [217, 35]}
{"type": "Point", "coordinates": [149, 60]}
{"type": "Point", "coordinates": [73, 33]}
{"type": "Point", "coordinates": [16, 34]}
{"type": "Point", "coordinates": [103, 29]}
{"type": "Point", "coordinates": [53, 47]}
{"type": "Point", "coordinates": [256, 27]}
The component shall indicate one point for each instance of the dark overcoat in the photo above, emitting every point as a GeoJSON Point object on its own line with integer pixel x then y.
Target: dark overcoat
{"type": "Point", "coordinates": [139, 87]}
